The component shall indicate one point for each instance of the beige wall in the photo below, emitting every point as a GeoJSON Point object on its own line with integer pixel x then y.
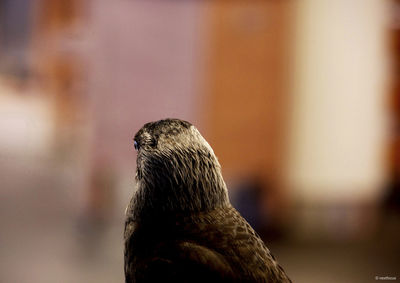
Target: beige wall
{"type": "Point", "coordinates": [338, 122]}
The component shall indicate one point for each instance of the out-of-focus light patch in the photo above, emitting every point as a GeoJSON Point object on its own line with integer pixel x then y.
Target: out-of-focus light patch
{"type": "Point", "coordinates": [339, 118]}
{"type": "Point", "coordinates": [26, 123]}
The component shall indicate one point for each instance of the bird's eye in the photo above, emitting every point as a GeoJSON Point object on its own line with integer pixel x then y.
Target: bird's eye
{"type": "Point", "coordinates": [136, 145]}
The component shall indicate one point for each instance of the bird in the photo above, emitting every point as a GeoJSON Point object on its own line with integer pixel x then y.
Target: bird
{"type": "Point", "coordinates": [179, 224]}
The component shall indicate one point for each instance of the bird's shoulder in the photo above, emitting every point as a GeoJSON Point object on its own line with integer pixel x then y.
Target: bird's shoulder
{"type": "Point", "coordinates": [219, 241]}
{"type": "Point", "coordinates": [171, 258]}
{"type": "Point", "coordinates": [183, 262]}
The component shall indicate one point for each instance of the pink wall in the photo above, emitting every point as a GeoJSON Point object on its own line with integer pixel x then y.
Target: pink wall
{"type": "Point", "coordinates": [144, 61]}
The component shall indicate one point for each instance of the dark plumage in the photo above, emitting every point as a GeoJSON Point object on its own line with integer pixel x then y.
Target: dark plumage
{"type": "Point", "coordinates": [180, 225]}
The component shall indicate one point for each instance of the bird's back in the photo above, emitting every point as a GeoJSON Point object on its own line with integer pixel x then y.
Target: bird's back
{"type": "Point", "coordinates": [215, 245]}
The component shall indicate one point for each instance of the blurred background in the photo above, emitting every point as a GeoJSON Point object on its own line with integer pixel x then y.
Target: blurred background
{"type": "Point", "coordinates": [300, 100]}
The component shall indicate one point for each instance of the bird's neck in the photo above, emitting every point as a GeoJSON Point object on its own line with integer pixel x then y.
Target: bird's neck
{"type": "Point", "coordinates": [165, 201]}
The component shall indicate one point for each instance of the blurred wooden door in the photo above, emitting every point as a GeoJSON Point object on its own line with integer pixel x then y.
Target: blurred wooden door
{"type": "Point", "coordinates": [247, 79]}
{"type": "Point", "coordinates": [247, 86]}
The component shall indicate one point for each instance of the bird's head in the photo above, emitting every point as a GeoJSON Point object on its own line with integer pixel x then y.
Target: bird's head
{"type": "Point", "coordinates": [177, 170]}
